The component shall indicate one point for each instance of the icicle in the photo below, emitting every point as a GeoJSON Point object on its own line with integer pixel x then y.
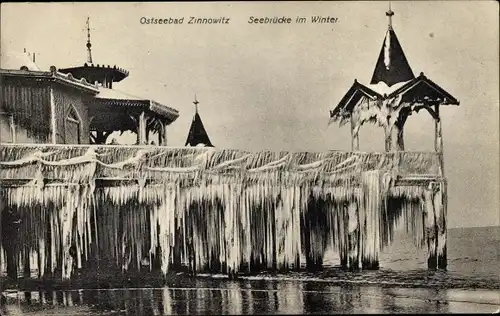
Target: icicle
{"type": "Point", "coordinates": [430, 214]}
{"type": "Point", "coordinates": [372, 204]}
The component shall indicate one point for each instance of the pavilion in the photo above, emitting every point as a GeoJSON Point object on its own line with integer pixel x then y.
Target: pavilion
{"type": "Point", "coordinates": [392, 95]}
{"type": "Point", "coordinates": [113, 110]}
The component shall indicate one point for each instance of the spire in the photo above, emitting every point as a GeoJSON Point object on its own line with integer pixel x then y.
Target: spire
{"type": "Point", "coordinates": [195, 102]}
{"type": "Point", "coordinates": [89, 45]}
{"type": "Point", "coordinates": [390, 13]}
{"type": "Point", "coordinates": [392, 66]}
{"type": "Point", "coordinates": [197, 134]}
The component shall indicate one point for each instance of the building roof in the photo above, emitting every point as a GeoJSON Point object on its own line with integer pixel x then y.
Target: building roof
{"type": "Point", "coordinates": [417, 90]}
{"type": "Point", "coordinates": [15, 60]}
{"type": "Point", "coordinates": [423, 89]}
{"type": "Point", "coordinates": [65, 79]}
{"type": "Point", "coordinates": [197, 134]}
{"type": "Point", "coordinates": [116, 98]}
{"type": "Point", "coordinates": [97, 72]}
{"type": "Point", "coordinates": [352, 97]}
{"type": "Point", "coordinates": [393, 76]}
{"type": "Point", "coordinates": [392, 66]}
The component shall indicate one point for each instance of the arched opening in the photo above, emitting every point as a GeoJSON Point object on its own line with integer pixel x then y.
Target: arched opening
{"type": "Point", "coordinates": [419, 132]}
{"type": "Point", "coordinates": [72, 126]}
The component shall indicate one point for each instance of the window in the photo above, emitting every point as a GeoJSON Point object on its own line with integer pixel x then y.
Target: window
{"type": "Point", "coordinates": [72, 127]}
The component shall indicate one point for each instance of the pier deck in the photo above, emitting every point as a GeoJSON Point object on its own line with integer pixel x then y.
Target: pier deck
{"type": "Point", "coordinates": [215, 210]}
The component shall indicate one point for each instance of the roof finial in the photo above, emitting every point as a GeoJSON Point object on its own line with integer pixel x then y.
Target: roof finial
{"type": "Point", "coordinates": [390, 13]}
{"type": "Point", "coordinates": [89, 45]}
{"type": "Point", "coordinates": [195, 102]}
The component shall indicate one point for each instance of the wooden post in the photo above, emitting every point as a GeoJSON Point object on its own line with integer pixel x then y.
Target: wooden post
{"type": "Point", "coordinates": [388, 138]}
{"type": "Point", "coordinates": [440, 205]}
{"type": "Point", "coordinates": [160, 134]}
{"type": "Point", "coordinates": [353, 236]}
{"type": "Point", "coordinates": [141, 129]}
{"type": "Point", "coordinates": [165, 143]}
{"type": "Point", "coordinates": [438, 140]}
{"type": "Point", "coordinates": [354, 137]}
{"type": "Point", "coordinates": [441, 199]}
{"type": "Point", "coordinates": [400, 138]}
{"type": "Point", "coordinates": [430, 225]}
{"type": "Point", "coordinates": [400, 143]}
{"type": "Point", "coordinates": [53, 116]}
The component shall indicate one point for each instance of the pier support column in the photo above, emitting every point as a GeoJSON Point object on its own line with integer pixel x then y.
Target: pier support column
{"type": "Point", "coordinates": [342, 226]}
{"type": "Point", "coordinates": [353, 236]}
{"type": "Point", "coordinates": [435, 225]}
{"type": "Point", "coordinates": [440, 201]}
{"type": "Point", "coordinates": [372, 205]}
{"type": "Point", "coordinates": [10, 230]}
{"type": "Point", "coordinates": [430, 225]}
{"type": "Point", "coordinates": [315, 227]}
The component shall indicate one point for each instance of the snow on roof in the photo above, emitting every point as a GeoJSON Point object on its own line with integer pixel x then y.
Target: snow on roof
{"type": "Point", "coordinates": [14, 60]}
{"type": "Point", "coordinates": [106, 93]}
{"type": "Point", "coordinates": [382, 88]}
{"type": "Point", "coordinates": [121, 98]}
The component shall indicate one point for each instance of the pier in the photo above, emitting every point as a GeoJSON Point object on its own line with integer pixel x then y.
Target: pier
{"type": "Point", "coordinates": [76, 206]}
{"type": "Point", "coordinates": [215, 210]}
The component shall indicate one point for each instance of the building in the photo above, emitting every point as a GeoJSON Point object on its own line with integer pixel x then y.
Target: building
{"type": "Point", "coordinates": [76, 105]}
{"type": "Point", "coordinates": [393, 94]}
{"type": "Point", "coordinates": [42, 106]}
{"type": "Point", "coordinates": [197, 135]}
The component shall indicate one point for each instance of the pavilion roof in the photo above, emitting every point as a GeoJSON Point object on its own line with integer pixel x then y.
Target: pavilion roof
{"type": "Point", "coordinates": [417, 90]}
{"type": "Point", "coordinates": [393, 76]}
{"type": "Point", "coordinates": [98, 71]}
{"type": "Point", "coordinates": [116, 98]}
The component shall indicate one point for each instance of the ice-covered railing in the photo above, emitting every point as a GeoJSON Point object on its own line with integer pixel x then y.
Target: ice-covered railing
{"type": "Point", "coordinates": [215, 209]}
{"type": "Point", "coordinates": [152, 162]}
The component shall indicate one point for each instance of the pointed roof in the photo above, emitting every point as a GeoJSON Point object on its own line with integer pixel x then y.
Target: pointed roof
{"type": "Point", "coordinates": [197, 134]}
{"type": "Point", "coordinates": [392, 76]}
{"type": "Point", "coordinates": [392, 66]}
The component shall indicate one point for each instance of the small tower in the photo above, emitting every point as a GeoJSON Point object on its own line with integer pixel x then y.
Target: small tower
{"type": "Point", "coordinates": [394, 93]}
{"type": "Point", "coordinates": [197, 135]}
{"type": "Point", "coordinates": [102, 74]}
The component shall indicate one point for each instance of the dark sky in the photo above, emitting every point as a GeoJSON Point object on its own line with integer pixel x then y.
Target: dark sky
{"type": "Point", "coordinates": [271, 86]}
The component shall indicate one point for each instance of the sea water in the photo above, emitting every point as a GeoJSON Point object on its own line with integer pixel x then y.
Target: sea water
{"type": "Point", "coordinates": [402, 285]}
